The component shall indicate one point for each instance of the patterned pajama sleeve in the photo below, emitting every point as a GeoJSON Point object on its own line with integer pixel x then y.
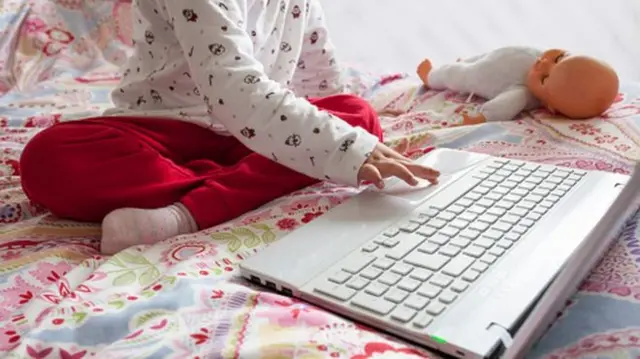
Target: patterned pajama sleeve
{"type": "Point", "coordinates": [318, 73]}
{"type": "Point", "coordinates": [266, 116]}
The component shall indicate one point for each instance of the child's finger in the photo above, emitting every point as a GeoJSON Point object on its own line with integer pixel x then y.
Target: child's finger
{"type": "Point", "coordinates": [396, 169]}
{"type": "Point", "coordinates": [427, 173]}
{"type": "Point", "coordinates": [371, 174]}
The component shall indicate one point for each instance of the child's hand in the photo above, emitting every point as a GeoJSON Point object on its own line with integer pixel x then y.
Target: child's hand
{"type": "Point", "coordinates": [385, 162]}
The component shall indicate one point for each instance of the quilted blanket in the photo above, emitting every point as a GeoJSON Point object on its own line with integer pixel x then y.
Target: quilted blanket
{"type": "Point", "coordinates": [183, 298]}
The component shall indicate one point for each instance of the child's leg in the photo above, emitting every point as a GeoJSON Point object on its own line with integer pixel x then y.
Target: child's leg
{"type": "Point", "coordinates": [255, 180]}
{"type": "Point", "coordinates": [85, 170]}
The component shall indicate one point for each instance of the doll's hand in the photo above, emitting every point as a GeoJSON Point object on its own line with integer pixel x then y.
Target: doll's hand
{"type": "Point", "coordinates": [385, 162]}
{"type": "Point", "coordinates": [472, 119]}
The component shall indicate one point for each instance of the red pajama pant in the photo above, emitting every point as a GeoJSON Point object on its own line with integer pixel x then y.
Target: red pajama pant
{"type": "Point", "coordinates": [82, 170]}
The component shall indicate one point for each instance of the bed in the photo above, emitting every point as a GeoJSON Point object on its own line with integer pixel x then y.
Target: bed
{"type": "Point", "coordinates": [183, 298]}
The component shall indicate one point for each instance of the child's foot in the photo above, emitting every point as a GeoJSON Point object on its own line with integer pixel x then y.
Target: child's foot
{"type": "Point", "coordinates": [423, 72]}
{"type": "Point", "coordinates": [128, 227]}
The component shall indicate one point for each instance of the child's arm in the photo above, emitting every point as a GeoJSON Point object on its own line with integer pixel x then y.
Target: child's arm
{"type": "Point", "coordinates": [318, 73]}
{"type": "Point", "coordinates": [267, 117]}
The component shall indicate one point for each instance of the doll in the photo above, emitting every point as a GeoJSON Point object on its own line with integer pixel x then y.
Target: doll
{"type": "Point", "coordinates": [513, 79]}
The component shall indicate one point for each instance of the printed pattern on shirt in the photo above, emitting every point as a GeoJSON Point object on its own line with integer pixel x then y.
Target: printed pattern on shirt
{"type": "Point", "coordinates": [245, 70]}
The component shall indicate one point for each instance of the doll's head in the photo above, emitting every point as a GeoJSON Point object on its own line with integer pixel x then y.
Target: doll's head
{"type": "Point", "coordinates": [576, 86]}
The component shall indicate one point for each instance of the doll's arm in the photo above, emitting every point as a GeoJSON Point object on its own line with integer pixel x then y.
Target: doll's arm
{"type": "Point", "coordinates": [471, 59]}
{"type": "Point", "coordinates": [507, 105]}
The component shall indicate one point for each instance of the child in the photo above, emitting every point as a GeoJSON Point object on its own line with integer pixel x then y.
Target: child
{"type": "Point", "coordinates": [210, 121]}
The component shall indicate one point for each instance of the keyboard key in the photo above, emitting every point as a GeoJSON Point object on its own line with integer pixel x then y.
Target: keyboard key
{"type": "Point", "coordinates": [522, 190]}
{"type": "Point", "coordinates": [493, 196]}
{"type": "Point", "coordinates": [488, 258]}
{"type": "Point", "coordinates": [457, 265]}
{"type": "Point", "coordinates": [441, 280]}
{"type": "Point", "coordinates": [371, 303]}
{"type": "Point", "coordinates": [357, 283]}
{"type": "Point", "coordinates": [428, 261]}
{"type": "Point", "coordinates": [534, 198]}
{"type": "Point", "coordinates": [429, 211]}
{"type": "Point", "coordinates": [416, 302]}
{"type": "Point", "coordinates": [479, 226]}
{"type": "Point", "coordinates": [419, 218]}
{"type": "Point", "coordinates": [449, 231]}
{"type": "Point", "coordinates": [464, 202]}
{"type": "Point", "coordinates": [512, 198]}
{"type": "Point", "coordinates": [422, 320]}
{"type": "Point", "coordinates": [520, 212]}
{"type": "Point", "coordinates": [526, 204]}
{"type": "Point", "coordinates": [459, 286]}
{"type": "Point", "coordinates": [355, 263]}
{"type": "Point", "coordinates": [369, 247]}
{"type": "Point", "coordinates": [335, 291]}
{"type": "Point", "coordinates": [428, 247]}
{"type": "Point", "coordinates": [426, 231]}
{"type": "Point", "coordinates": [470, 275]}
{"type": "Point", "coordinates": [389, 278]}
{"type": "Point", "coordinates": [505, 204]}
{"type": "Point", "coordinates": [474, 251]}
{"type": "Point", "coordinates": [493, 234]}
{"type": "Point", "coordinates": [376, 289]}
{"type": "Point", "coordinates": [534, 216]}
{"type": "Point", "coordinates": [403, 314]}
{"type": "Point", "coordinates": [446, 216]}
{"type": "Point", "coordinates": [420, 274]}
{"type": "Point", "coordinates": [390, 242]}
{"type": "Point", "coordinates": [401, 268]}
{"type": "Point", "coordinates": [436, 223]}
{"type": "Point", "coordinates": [383, 263]}
{"type": "Point", "coordinates": [496, 211]}
{"type": "Point", "coordinates": [460, 242]}
{"type": "Point", "coordinates": [485, 202]}
{"type": "Point", "coordinates": [407, 242]}
{"type": "Point", "coordinates": [447, 297]}
{"type": "Point", "coordinates": [468, 216]}
{"type": "Point", "coordinates": [459, 223]}
{"type": "Point", "coordinates": [476, 209]}
{"type": "Point", "coordinates": [396, 295]}
{"type": "Point", "coordinates": [473, 196]}
{"type": "Point", "coordinates": [501, 190]}
{"type": "Point", "coordinates": [510, 219]}
{"type": "Point", "coordinates": [456, 209]}
{"type": "Point", "coordinates": [408, 226]}
{"type": "Point", "coordinates": [449, 250]}
{"type": "Point", "coordinates": [484, 242]}
{"type": "Point", "coordinates": [435, 308]}
{"type": "Point", "coordinates": [502, 226]}
{"type": "Point", "coordinates": [370, 273]}
{"type": "Point", "coordinates": [429, 290]}
{"type": "Point", "coordinates": [497, 251]}
{"type": "Point", "coordinates": [481, 190]}
{"type": "Point", "coordinates": [517, 177]}
{"type": "Point", "coordinates": [339, 277]}
{"type": "Point", "coordinates": [439, 239]}
{"type": "Point", "coordinates": [503, 243]}
{"type": "Point", "coordinates": [512, 236]}
{"type": "Point", "coordinates": [479, 266]}
{"type": "Point", "coordinates": [470, 233]}
{"type": "Point", "coordinates": [488, 218]}
{"type": "Point", "coordinates": [391, 231]}
{"type": "Point", "coordinates": [526, 223]}
{"type": "Point", "coordinates": [520, 229]}
{"type": "Point", "coordinates": [409, 284]}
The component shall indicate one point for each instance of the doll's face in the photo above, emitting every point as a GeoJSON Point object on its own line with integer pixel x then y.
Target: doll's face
{"type": "Point", "coordinates": [541, 76]}
{"type": "Point", "coordinates": [575, 86]}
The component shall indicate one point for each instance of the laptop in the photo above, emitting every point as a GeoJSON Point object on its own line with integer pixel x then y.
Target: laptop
{"type": "Point", "coordinates": [476, 266]}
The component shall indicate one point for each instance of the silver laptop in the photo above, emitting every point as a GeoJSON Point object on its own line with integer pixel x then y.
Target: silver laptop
{"type": "Point", "coordinates": [473, 267]}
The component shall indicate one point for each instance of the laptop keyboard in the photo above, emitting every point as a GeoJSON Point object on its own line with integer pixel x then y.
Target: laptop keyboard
{"type": "Point", "coordinates": [420, 266]}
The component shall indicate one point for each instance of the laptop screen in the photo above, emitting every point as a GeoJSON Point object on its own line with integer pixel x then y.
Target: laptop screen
{"type": "Point", "coordinates": [579, 265]}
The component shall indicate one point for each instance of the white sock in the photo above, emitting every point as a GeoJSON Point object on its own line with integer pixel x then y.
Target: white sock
{"type": "Point", "coordinates": [126, 227]}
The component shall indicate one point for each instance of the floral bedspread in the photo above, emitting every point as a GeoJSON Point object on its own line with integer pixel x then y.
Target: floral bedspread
{"type": "Point", "coordinates": [59, 298]}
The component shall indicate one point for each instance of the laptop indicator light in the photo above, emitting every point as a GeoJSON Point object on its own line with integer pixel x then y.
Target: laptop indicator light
{"type": "Point", "coordinates": [438, 340]}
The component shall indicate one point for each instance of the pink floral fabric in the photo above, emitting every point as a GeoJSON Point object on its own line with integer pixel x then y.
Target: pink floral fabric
{"type": "Point", "coordinates": [59, 298]}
